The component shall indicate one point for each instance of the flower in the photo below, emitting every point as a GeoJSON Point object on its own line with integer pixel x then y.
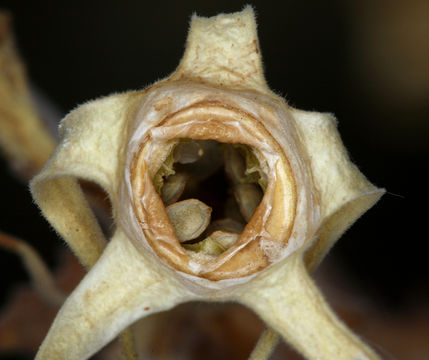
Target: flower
{"type": "Point", "coordinates": [289, 193]}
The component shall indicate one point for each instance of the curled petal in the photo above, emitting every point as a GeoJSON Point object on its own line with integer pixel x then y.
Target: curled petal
{"type": "Point", "coordinates": [90, 149]}
{"type": "Point", "coordinates": [92, 137]}
{"type": "Point", "coordinates": [344, 193]}
{"type": "Point", "coordinates": [119, 289]}
{"type": "Point", "coordinates": [289, 302]}
{"type": "Point", "coordinates": [336, 224]}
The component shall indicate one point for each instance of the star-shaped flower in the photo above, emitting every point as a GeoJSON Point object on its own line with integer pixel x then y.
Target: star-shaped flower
{"type": "Point", "coordinates": [278, 180]}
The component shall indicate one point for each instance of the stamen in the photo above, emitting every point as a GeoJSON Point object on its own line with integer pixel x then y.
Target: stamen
{"type": "Point", "coordinates": [248, 197]}
{"type": "Point", "coordinates": [190, 218]}
{"type": "Point", "coordinates": [235, 164]}
{"type": "Point", "coordinates": [224, 238]}
{"type": "Point", "coordinates": [188, 152]}
{"type": "Point", "coordinates": [226, 224]}
{"type": "Point", "coordinates": [207, 247]}
{"type": "Point", "coordinates": [173, 188]}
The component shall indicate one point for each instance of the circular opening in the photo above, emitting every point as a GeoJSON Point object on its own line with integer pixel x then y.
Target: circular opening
{"type": "Point", "coordinates": [213, 193]}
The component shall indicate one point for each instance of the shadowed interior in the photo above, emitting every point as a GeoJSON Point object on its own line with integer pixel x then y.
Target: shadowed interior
{"type": "Point", "coordinates": [210, 190]}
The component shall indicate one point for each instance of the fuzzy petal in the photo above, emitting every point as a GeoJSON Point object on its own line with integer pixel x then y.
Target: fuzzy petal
{"type": "Point", "coordinates": [120, 289]}
{"type": "Point", "coordinates": [92, 138]}
{"type": "Point", "coordinates": [336, 224]}
{"type": "Point", "coordinates": [224, 51]}
{"type": "Point", "coordinates": [344, 193]}
{"type": "Point", "coordinates": [288, 301]}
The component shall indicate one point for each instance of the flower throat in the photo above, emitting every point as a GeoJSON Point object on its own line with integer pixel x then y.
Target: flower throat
{"type": "Point", "coordinates": [210, 190]}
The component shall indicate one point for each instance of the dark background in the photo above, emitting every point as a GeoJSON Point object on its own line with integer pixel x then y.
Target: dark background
{"type": "Point", "coordinates": [358, 60]}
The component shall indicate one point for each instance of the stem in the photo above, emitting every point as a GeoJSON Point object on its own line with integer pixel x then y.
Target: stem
{"type": "Point", "coordinates": [265, 346]}
{"type": "Point", "coordinates": [128, 345]}
{"type": "Point", "coordinates": [40, 275]}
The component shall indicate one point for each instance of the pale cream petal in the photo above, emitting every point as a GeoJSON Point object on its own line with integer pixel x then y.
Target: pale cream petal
{"type": "Point", "coordinates": [224, 51]}
{"type": "Point", "coordinates": [92, 139]}
{"type": "Point", "coordinates": [120, 289]}
{"type": "Point", "coordinates": [288, 301]}
{"type": "Point", "coordinates": [342, 191]}
{"type": "Point", "coordinates": [335, 225]}
{"type": "Point", "coordinates": [65, 207]}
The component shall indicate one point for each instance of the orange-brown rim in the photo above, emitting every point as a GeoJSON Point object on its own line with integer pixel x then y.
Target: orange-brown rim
{"type": "Point", "coordinates": [216, 121]}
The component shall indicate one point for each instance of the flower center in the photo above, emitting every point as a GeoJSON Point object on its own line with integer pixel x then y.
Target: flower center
{"type": "Point", "coordinates": [213, 192]}
{"type": "Point", "coordinates": [210, 190]}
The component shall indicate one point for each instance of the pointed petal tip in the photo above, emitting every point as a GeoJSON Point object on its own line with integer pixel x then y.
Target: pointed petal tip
{"type": "Point", "coordinates": [290, 303]}
{"type": "Point", "coordinates": [338, 223]}
{"type": "Point", "coordinates": [121, 288]}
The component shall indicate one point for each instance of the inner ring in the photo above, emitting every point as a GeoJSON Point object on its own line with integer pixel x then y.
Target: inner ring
{"type": "Point", "coordinates": [267, 232]}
